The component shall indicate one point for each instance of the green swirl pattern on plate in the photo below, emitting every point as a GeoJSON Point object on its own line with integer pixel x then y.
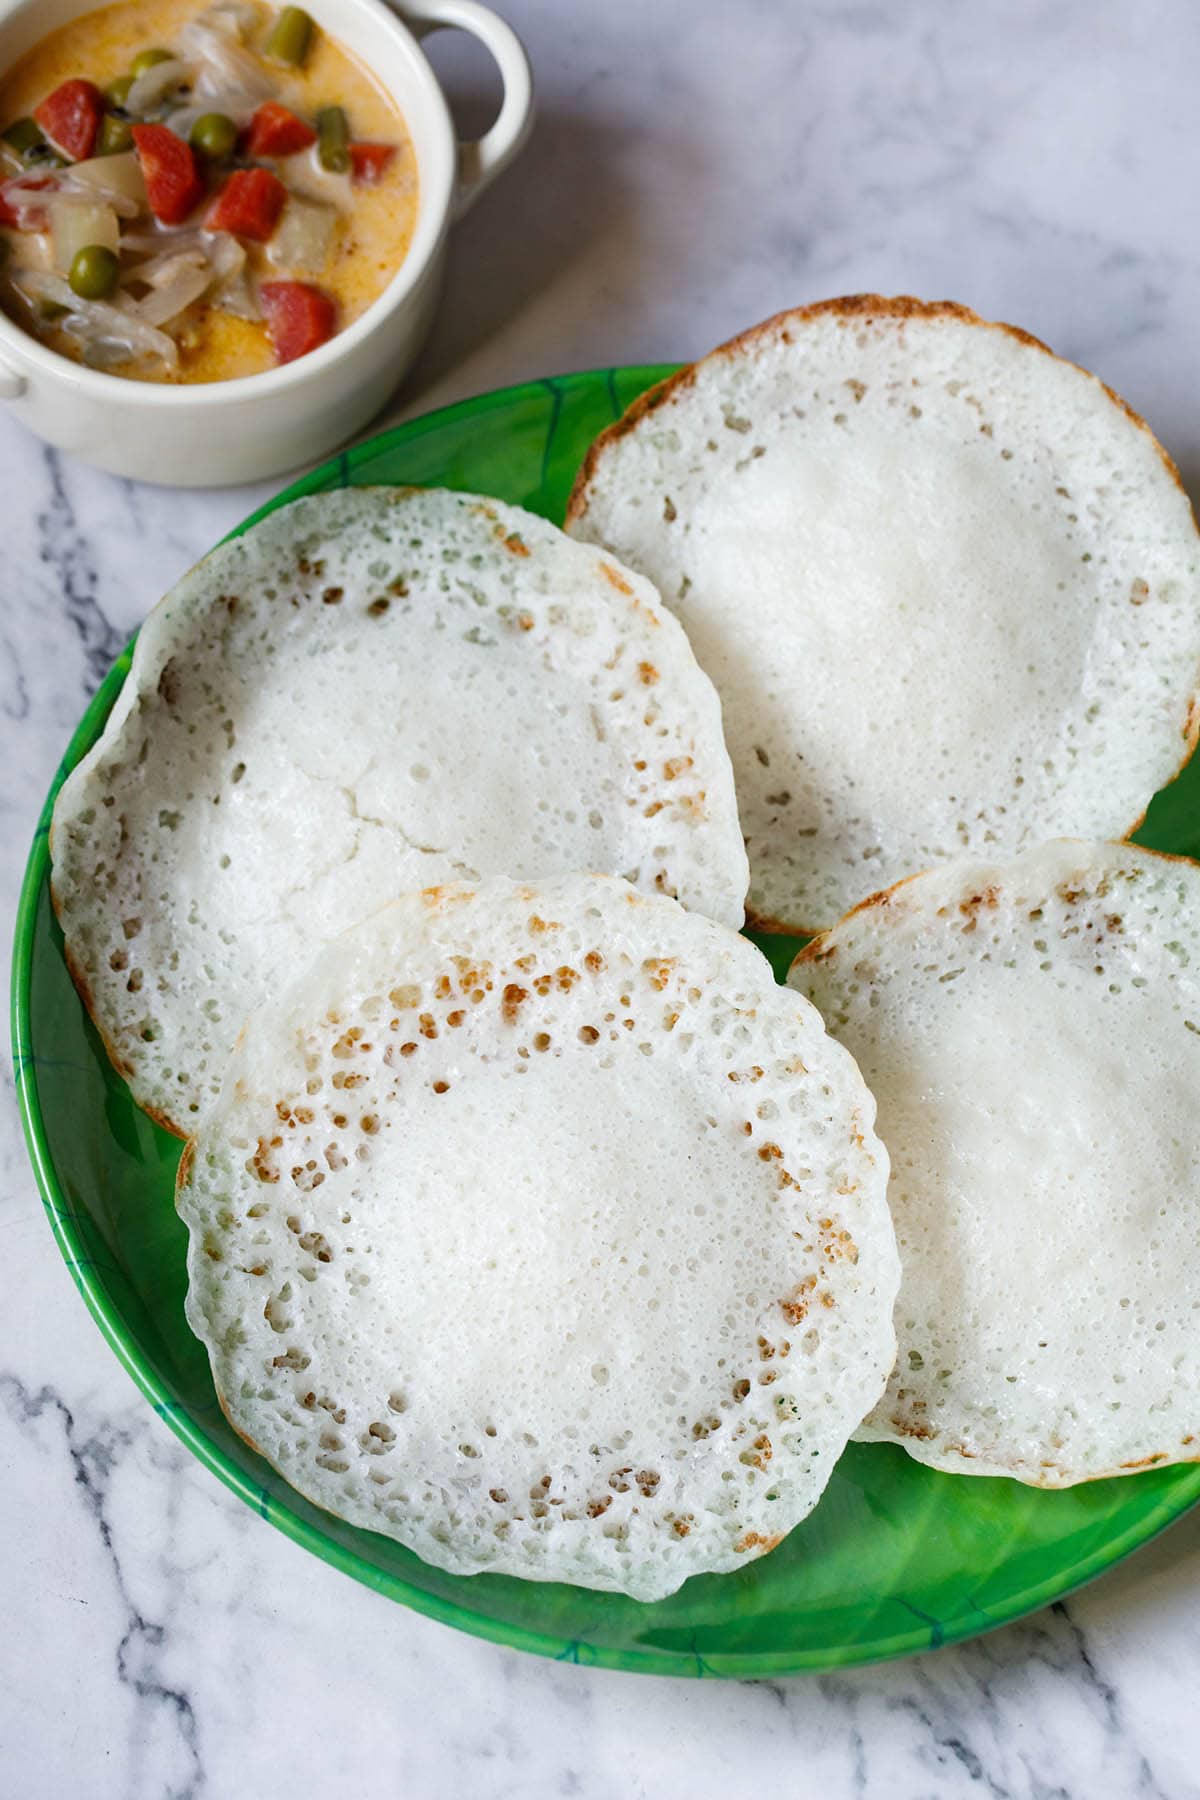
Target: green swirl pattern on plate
{"type": "Point", "coordinates": [895, 1559]}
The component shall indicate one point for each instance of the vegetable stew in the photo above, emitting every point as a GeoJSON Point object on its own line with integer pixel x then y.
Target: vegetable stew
{"type": "Point", "coordinates": [191, 194]}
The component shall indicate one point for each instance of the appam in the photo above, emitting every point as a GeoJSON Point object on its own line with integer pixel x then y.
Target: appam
{"type": "Point", "coordinates": [538, 1228]}
{"type": "Point", "coordinates": [371, 691]}
{"type": "Point", "coordinates": [948, 587]}
{"type": "Point", "coordinates": [1031, 1032]}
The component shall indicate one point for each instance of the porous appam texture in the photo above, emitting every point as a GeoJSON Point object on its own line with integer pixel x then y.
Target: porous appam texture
{"type": "Point", "coordinates": [1031, 1032]}
{"type": "Point", "coordinates": [539, 1229]}
{"type": "Point", "coordinates": [371, 691]}
{"type": "Point", "coordinates": [948, 587]}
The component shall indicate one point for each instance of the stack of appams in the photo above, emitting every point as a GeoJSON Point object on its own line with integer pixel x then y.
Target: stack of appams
{"type": "Point", "coordinates": [856, 512]}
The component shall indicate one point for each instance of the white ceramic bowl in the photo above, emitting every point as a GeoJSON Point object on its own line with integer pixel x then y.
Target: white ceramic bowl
{"type": "Point", "coordinates": [215, 433]}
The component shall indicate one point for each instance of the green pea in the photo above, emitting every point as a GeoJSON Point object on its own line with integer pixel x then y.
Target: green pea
{"type": "Point", "coordinates": [23, 135]}
{"type": "Point", "coordinates": [333, 140]}
{"type": "Point", "coordinates": [214, 135]}
{"type": "Point", "coordinates": [149, 59]}
{"type": "Point", "coordinates": [116, 134]}
{"type": "Point", "coordinates": [117, 92]}
{"type": "Point", "coordinates": [94, 272]}
{"type": "Point", "coordinates": [291, 36]}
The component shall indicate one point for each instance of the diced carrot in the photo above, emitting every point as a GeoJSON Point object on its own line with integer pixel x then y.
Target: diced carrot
{"type": "Point", "coordinates": [249, 205]}
{"type": "Point", "coordinates": [274, 131]}
{"type": "Point", "coordinates": [368, 162]}
{"type": "Point", "coordinates": [299, 317]}
{"type": "Point", "coordinates": [70, 118]}
{"type": "Point", "coordinates": [173, 177]}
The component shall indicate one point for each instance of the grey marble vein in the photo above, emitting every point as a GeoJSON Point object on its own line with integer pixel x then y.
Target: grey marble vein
{"type": "Point", "coordinates": [696, 166]}
{"type": "Point", "coordinates": [164, 1720]}
{"type": "Point", "coordinates": [70, 566]}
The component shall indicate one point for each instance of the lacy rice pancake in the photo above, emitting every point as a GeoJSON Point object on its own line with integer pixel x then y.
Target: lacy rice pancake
{"type": "Point", "coordinates": [1031, 1032]}
{"type": "Point", "coordinates": [537, 1228]}
{"type": "Point", "coordinates": [947, 585]}
{"type": "Point", "coordinates": [372, 690]}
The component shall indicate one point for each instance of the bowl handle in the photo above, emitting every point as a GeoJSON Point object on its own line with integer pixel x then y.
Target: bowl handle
{"type": "Point", "coordinates": [481, 161]}
{"type": "Point", "coordinates": [12, 385]}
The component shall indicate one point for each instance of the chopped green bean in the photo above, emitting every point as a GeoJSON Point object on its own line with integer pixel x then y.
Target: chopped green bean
{"type": "Point", "coordinates": [26, 137]}
{"type": "Point", "coordinates": [23, 135]}
{"type": "Point", "coordinates": [149, 59]}
{"type": "Point", "coordinates": [94, 272]}
{"type": "Point", "coordinates": [291, 36]}
{"type": "Point", "coordinates": [333, 139]}
{"type": "Point", "coordinates": [116, 134]}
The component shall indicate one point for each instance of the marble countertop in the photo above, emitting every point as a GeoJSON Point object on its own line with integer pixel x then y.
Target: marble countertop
{"type": "Point", "coordinates": [696, 167]}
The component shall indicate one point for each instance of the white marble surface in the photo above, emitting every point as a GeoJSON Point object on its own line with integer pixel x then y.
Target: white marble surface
{"type": "Point", "coordinates": [697, 166]}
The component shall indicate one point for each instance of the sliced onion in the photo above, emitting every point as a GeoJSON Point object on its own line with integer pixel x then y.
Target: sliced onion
{"type": "Point", "coordinates": [225, 253]}
{"type": "Point", "coordinates": [181, 119]}
{"type": "Point", "coordinates": [33, 182]}
{"type": "Point", "coordinates": [155, 83]}
{"type": "Point", "coordinates": [303, 174]}
{"type": "Point", "coordinates": [191, 245]}
{"type": "Point", "coordinates": [98, 328]}
{"type": "Point", "coordinates": [236, 18]}
{"type": "Point", "coordinates": [181, 280]}
{"type": "Point", "coordinates": [239, 298]}
{"type": "Point", "coordinates": [222, 64]}
{"type": "Point", "coordinates": [156, 238]}
{"type": "Point", "coordinates": [104, 353]}
{"type": "Point", "coordinates": [29, 196]}
{"type": "Point", "coordinates": [75, 223]}
{"type": "Point", "coordinates": [233, 290]}
{"type": "Point", "coordinates": [116, 179]}
{"type": "Point", "coordinates": [304, 236]}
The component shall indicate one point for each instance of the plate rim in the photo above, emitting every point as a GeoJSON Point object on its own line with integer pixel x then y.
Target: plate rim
{"type": "Point", "coordinates": [921, 1637]}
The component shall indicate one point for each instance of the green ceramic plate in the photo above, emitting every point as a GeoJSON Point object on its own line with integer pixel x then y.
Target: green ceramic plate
{"type": "Point", "coordinates": [895, 1559]}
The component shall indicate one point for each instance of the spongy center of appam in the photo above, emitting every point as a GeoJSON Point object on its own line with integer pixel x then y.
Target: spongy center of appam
{"type": "Point", "coordinates": [541, 1279]}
